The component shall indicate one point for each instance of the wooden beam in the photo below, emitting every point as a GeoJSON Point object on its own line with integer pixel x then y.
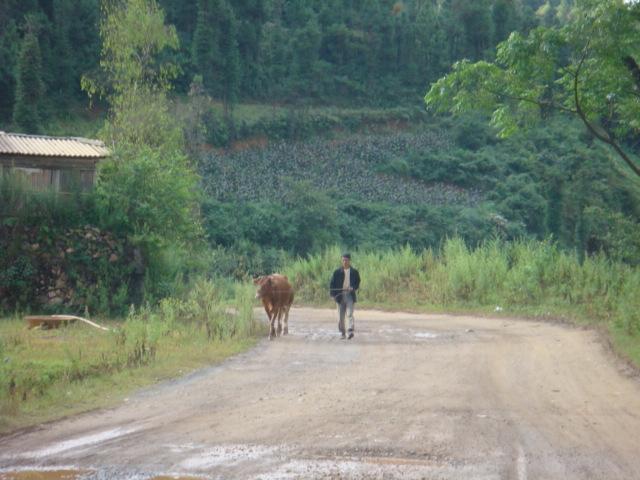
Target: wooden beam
{"type": "Point", "coordinates": [33, 161]}
{"type": "Point", "coordinates": [55, 321]}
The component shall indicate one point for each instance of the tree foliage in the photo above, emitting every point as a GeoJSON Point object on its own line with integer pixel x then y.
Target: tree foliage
{"type": "Point", "coordinates": [135, 75]}
{"type": "Point", "coordinates": [27, 113]}
{"type": "Point", "coordinates": [149, 196]}
{"type": "Point", "coordinates": [148, 184]}
{"type": "Point", "coordinates": [587, 68]}
{"type": "Point", "coordinates": [365, 52]}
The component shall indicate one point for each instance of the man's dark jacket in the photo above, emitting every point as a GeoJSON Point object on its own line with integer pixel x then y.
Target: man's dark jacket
{"type": "Point", "coordinates": [337, 280]}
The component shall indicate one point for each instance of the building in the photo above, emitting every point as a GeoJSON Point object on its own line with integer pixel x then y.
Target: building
{"type": "Point", "coordinates": [52, 163]}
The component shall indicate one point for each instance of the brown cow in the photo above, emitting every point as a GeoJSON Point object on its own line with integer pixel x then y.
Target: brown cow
{"type": "Point", "coordinates": [277, 296]}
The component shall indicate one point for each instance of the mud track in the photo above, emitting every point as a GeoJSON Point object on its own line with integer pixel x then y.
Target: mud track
{"type": "Point", "coordinates": [411, 396]}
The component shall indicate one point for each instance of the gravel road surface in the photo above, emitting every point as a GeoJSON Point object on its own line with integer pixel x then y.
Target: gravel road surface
{"type": "Point", "coordinates": [411, 396]}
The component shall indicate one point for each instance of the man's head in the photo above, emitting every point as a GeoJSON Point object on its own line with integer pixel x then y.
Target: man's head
{"type": "Point", "coordinates": [346, 260]}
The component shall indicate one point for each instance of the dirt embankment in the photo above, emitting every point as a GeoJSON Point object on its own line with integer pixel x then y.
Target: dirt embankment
{"type": "Point", "coordinates": [411, 396]}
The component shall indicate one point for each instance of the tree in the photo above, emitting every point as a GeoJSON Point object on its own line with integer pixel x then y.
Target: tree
{"type": "Point", "coordinates": [229, 60]}
{"type": "Point", "coordinates": [274, 58]}
{"type": "Point", "coordinates": [148, 189]}
{"type": "Point", "coordinates": [215, 50]}
{"type": "Point", "coordinates": [587, 68]}
{"type": "Point", "coordinates": [311, 217]}
{"type": "Point", "coordinates": [84, 38]}
{"type": "Point", "coordinates": [251, 16]}
{"type": "Point", "coordinates": [135, 75]}
{"type": "Point", "coordinates": [29, 85]}
{"type": "Point", "coordinates": [9, 43]}
{"type": "Point", "coordinates": [306, 49]}
{"type": "Point", "coordinates": [63, 81]}
{"type": "Point", "coordinates": [429, 43]}
{"type": "Point", "coordinates": [476, 20]}
{"type": "Point", "coordinates": [205, 44]}
{"type": "Point", "coordinates": [505, 19]}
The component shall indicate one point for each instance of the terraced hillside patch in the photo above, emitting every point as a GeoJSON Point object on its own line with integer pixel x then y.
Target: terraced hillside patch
{"type": "Point", "coordinates": [347, 168]}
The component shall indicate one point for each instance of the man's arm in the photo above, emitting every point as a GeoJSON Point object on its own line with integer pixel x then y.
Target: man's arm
{"type": "Point", "coordinates": [356, 280]}
{"type": "Point", "coordinates": [332, 288]}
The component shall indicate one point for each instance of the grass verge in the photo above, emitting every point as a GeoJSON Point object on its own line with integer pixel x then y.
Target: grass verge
{"type": "Point", "coordinates": [50, 374]}
{"type": "Point", "coordinates": [529, 279]}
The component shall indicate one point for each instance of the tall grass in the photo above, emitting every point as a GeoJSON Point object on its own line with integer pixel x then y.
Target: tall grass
{"type": "Point", "coordinates": [515, 274]}
{"type": "Point", "coordinates": [38, 364]}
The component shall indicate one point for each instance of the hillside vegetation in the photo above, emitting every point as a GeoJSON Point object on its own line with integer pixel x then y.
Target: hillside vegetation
{"type": "Point", "coordinates": [256, 136]}
{"type": "Point", "coordinates": [300, 51]}
{"type": "Point", "coordinates": [420, 185]}
{"type": "Point", "coordinates": [261, 130]}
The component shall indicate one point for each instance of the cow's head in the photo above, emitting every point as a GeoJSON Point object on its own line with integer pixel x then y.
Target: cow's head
{"type": "Point", "coordinates": [264, 286]}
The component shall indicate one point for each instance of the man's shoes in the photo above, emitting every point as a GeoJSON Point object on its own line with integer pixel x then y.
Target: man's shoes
{"type": "Point", "coordinates": [350, 335]}
{"type": "Point", "coordinates": [343, 336]}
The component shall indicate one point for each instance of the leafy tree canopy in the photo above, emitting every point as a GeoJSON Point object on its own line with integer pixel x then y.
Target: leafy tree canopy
{"type": "Point", "coordinates": [136, 75]}
{"type": "Point", "coordinates": [148, 189]}
{"type": "Point", "coordinates": [588, 67]}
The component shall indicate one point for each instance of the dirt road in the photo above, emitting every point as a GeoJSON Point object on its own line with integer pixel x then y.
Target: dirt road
{"type": "Point", "coordinates": [411, 396]}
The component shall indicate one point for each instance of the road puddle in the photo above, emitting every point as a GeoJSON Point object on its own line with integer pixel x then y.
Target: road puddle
{"type": "Point", "coordinates": [425, 335]}
{"type": "Point", "coordinates": [44, 475]}
{"type": "Point", "coordinates": [169, 477]}
{"type": "Point", "coordinates": [72, 475]}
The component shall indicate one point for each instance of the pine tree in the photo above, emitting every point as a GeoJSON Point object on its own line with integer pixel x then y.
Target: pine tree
{"type": "Point", "coordinates": [29, 85]}
{"type": "Point", "coordinates": [64, 81]}
{"type": "Point", "coordinates": [477, 24]}
{"type": "Point", "coordinates": [9, 43]}
{"type": "Point", "coordinates": [215, 50]}
{"type": "Point", "coordinates": [505, 19]}
{"type": "Point", "coordinates": [205, 42]}
{"type": "Point", "coordinates": [554, 208]}
{"type": "Point", "coordinates": [251, 16]}
{"type": "Point", "coordinates": [428, 43]}
{"type": "Point", "coordinates": [306, 48]}
{"type": "Point", "coordinates": [228, 62]}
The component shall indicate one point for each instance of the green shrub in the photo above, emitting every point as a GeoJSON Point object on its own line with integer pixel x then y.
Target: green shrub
{"type": "Point", "coordinates": [217, 131]}
{"type": "Point", "coordinates": [51, 257]}
{"type": "Point", "coordinates": [627, 312]}
{"type": "Point", "coordinates": [207, 307]}
{"type": "Point", "coordinates": [614, 234]}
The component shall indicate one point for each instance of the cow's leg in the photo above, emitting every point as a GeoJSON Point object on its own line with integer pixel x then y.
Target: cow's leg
{"type": "Point", "coordinates": [267, 309]}
{"type": "Point", "coordinates": [271, 315]}
{"type": "Point", "coordinates": [286, 320]}
{"type": "Point", "coordinates": [279, 314]}
{"type": "Point", "coordinates": [272, 326]}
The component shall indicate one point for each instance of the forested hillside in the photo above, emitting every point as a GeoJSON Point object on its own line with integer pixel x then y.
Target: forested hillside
{"type": "Point", "coordinates": [339, 51]}
{"type": "Point", "coordinates": [303, 124]}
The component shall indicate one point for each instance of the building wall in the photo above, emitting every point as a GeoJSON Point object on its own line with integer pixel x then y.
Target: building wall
{"type": "Point", "coordinates": [61, 178]}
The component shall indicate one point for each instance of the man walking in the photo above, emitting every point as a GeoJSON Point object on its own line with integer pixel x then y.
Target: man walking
{"type": "Point", "coordinates": [344, 284]}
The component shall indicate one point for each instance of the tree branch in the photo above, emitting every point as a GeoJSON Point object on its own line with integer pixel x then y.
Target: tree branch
{"type": "Point", "coordinates": [633, 67]}
{"type": "Point", "coordinates": [539, 103]}
{"type": "Point", "coordinates": [606, 138]}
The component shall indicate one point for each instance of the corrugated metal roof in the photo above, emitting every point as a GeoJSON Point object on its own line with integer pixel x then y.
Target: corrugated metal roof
{"type": "Point", "coordinates": [43, 146]}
